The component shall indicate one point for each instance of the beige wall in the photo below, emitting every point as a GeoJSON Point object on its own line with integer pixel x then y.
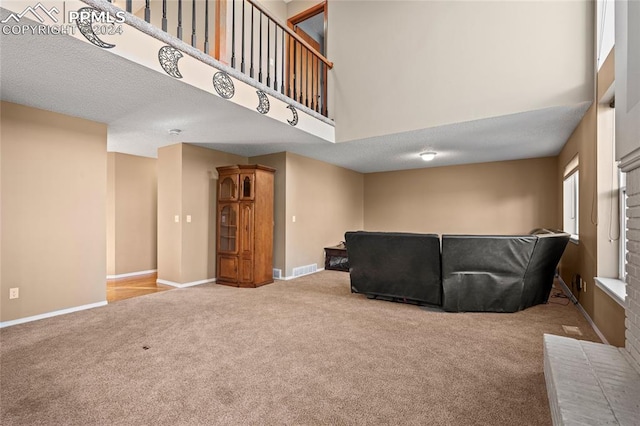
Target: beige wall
{"type": "Point", "coordinates": [279, 162]}
{"type": "Point", "coordinates": [596, 254]}
{"type": "Point", "coordinates": [606, 76]}
{"type": "Point", "coordinates": [297, 6]}
{"type": "Point", "coordinates": [131, 214]}
{"type": "Point", "coordinates": [277, 8]}
{"type": "Point", "coordinates": [585, 257]}
{"type": "Point", "coordinates": [169, 206]}
{"type": "Point", "coordinates": [111, 216]}
{"type": "Point", "coordinates": [327, 201]}
{"type": "Point", "coordinates": [510, 197]}
{"type": "Point", "coordinates": [583, 143]}
{"type": "Point", "coordinates": [187, 181]}
{"type": "Point", "coordinates": [607, 177]}
{"type": "Point", "coordinates": [610, 315]}
{"type": "Point", "coordinates": [199, 193]}
{"type": "Point", "coordinates": [54, 192]}
{"type": "Point", "coordinates": [426, 68]}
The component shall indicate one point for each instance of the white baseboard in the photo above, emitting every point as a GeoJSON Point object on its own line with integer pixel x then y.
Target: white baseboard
{"type": "Point", "coordinates": [52, 314]}
{"type": "Point", "coordinates": [291, 277]}
{"type": "Point", "coordinates": [131, 274]}
{"type": "Point", "coordinates": [191, 284]}
{"type": "Point", "coordinates": [575, 301]}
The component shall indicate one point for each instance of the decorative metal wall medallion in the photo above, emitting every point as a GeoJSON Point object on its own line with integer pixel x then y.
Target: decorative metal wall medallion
{"type": "Point", "coordinates": [86, 29]}
{"type": "Point", "coordinates": [168, 57]}
{"type": "Point", "coordinates": [295, 116]}
{"type": "Point", "coordinates": [223, 85]}
{"type": "Point", "coordinates": [263, 105]}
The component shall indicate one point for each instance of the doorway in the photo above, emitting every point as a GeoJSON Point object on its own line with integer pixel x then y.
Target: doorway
{"type": "Point", "coordinates": [307, 75]}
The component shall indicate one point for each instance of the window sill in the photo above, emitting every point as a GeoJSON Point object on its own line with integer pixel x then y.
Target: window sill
{"type": "Point", "coordinates": [615, 288]}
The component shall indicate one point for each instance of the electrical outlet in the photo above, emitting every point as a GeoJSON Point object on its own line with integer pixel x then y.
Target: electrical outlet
{"type": "Point", "coordinates": [14, 293]}
{"type": "Point", "coordinates": [577, 279]}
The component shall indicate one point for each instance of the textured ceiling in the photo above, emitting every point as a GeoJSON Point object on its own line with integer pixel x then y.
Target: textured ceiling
{"type": "Point", "coordinates": [61, 74]}
{"type": "Point", "coordinates": [532, 134]}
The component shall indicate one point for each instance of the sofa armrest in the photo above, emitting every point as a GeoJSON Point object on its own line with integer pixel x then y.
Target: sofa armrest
{"type": "Point", "coordinates": [484, 273]}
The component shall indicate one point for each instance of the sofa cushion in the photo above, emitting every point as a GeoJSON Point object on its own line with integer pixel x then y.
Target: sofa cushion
{"type": "Point", "coordinates": [395, 265]}
{"type": "Point", "coordinates": [484, 273]}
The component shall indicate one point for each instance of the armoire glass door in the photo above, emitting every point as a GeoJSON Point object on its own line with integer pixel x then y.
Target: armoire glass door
{"type": "Point", "coordinates": [227, 240]}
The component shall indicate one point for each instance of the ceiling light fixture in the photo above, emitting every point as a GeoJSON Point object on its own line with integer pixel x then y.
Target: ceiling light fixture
{"type": "Point", "coordinates": [428, 156]}
{"type": "Point", "coordinates": [175, 132]}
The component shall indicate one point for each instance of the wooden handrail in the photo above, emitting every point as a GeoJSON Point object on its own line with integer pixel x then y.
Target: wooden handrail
{"type": "Point", "coordinates": [292, 34]}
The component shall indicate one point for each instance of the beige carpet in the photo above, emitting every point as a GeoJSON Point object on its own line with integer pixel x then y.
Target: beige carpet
{"type": "Point", "coordinates": [305, 351]}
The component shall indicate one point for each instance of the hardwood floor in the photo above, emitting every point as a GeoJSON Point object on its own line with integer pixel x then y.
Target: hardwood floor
{"type": "Point", "coordinates": [125, 288]}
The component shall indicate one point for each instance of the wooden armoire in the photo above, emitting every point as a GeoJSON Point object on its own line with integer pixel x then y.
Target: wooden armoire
{"type": "Point", "coordinates": [245, 225]}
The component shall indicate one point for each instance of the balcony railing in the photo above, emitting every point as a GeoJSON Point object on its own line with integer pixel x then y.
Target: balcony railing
{"type": "Point", "coordinates": [247, 37]}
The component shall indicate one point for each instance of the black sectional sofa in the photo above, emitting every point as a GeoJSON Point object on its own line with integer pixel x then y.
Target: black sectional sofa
{"type": "Point", "coordinates": [395, 266]}
{"type": "Point", "coordinates": [467, 273]}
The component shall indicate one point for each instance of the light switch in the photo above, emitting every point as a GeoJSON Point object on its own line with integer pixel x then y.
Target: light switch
{"type": "Point", "coordinates": [177, 218]}
{"type": "Point", "coordinates": [188, 218]}
{"type": "Point", "coordinates": [293, 219]}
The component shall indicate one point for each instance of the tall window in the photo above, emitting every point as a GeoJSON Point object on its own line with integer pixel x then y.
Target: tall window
{"type": "Point", "coordinates": [623, 225]}
{"type": "Point", "coordinates": [571, 198]}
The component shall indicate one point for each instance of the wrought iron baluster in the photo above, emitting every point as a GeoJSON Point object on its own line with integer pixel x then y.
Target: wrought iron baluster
{"type": "Point", "coordinates": [313, 83]}
{"type": "Point", "coordinates": [268, 51]}
{"type": "Point", "coordinates": [275, 57]}
{"type": "Point", "coordinates": [260, 51]}
{"type": "Point", "coordinates": [251, 45]}
{"type": "Point", "coordinates": [242, 39]}
{"type": "Point", "coordinates": [299, 71]}
{"type": "Point", "coordinates": [180, 19]}
{"type": "Point", "coordinates": [193, 23]}
{"type": "Point", "coordinates": [306, 78]}
{"type": "Point", "coordinates": [299, 75]}
{"type": "Point", "coordinates": [282, 76]}
{"type": "Point", "coordinates": [233, 33]}
{"type": "Point", "coordinates": [206, 26]}
{"type": "Point", "coordinates": [294, 75]}
{"type": "Point", "coordinates": [319, 84]}
{"type": "Point", "coordinates": [320, 89]}
{"type": "Point", "coordinates": [164, 15]}
{"type": "Point", "coordinates": [325, 111]}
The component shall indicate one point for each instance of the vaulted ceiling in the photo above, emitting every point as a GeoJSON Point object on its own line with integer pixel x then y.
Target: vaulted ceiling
{"type": "Point", "coordinates": [513, 89]}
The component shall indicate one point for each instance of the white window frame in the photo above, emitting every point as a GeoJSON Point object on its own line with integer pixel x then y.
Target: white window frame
{"type": "Point", "coordinates": [571, 204]}
{"type": "Point", "coordinates": [622, 195]}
